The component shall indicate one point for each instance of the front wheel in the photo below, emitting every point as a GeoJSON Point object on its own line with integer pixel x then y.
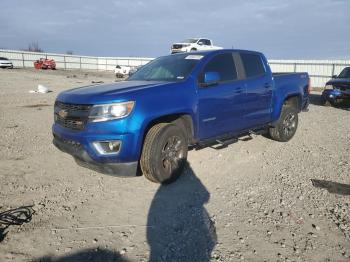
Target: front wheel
{"type": "Point", "coordinates": [164, 153]}
{"type": "Point", "coordinates": [286, 125]}
{"type": "Point", "coordinates": [327, 102]}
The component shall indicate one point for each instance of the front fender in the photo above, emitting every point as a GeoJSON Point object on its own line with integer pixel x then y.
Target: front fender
{"type": "Point", "coordinates": [158, 104]}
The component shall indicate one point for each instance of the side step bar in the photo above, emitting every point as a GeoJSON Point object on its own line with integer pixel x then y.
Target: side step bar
{"type": "Point", "coordinates": [224, 141]}
{"type": "Point", "coordinates": [229, 141]}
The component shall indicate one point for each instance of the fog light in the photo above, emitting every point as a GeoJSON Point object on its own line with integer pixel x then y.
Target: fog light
{"type": "Point", "coordinates": [107, 147]}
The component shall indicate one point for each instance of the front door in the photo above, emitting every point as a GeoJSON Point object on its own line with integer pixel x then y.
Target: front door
{"type": "Point", "coordinates": [220, 104]}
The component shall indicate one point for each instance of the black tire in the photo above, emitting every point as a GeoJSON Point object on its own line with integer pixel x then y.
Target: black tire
{"type": "Point", "coordinates": [286, 125]}
{"type": "Point", "coordinates": [164, 153]}
{"type": "Point", "coordinates": [193, 49]}
{"type": "Point", "coordinates": [325, 102]}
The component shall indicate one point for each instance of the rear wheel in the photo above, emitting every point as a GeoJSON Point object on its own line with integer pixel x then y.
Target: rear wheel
{"type": "Point", "coordinates": [286, 125]}
{"type": "Point", "coordinates": [164, 153]}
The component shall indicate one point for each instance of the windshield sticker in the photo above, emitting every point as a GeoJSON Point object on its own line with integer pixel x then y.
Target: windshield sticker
{"type": "Point", "coordinates": [194, 57]}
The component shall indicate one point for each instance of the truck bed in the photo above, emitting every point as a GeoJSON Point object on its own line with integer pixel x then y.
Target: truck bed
{"type": "Point", "coordinates": [290, 82]}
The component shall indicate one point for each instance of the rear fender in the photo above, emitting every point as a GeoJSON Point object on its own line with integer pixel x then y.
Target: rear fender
{"type": "Point", "coordinates": [280, 101]}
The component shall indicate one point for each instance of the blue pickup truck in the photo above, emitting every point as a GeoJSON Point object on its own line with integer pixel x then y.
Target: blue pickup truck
{"type": "Point", "coordinates": [146, 124]}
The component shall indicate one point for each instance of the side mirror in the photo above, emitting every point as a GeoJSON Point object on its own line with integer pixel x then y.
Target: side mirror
{"type": "Point", "coordinates": [211, 78]}
{"type": "Point", "coordinates": [200, 43]}
{"type": "Point", "coordinates": [334, 76]}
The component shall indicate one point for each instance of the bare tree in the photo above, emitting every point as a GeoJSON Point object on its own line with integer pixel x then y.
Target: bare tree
{"type": "Point", "coordinates": [34, 47]}
{"type": "Point", "coordinates": [69, 52]}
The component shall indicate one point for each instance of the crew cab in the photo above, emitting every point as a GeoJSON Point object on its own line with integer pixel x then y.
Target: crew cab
{"type": "Point", "coordinates": [193, 44]}
{"type": "Point", "coordinates": [337, 89]}
{"type": "Point", "coordinates": [145, 125]}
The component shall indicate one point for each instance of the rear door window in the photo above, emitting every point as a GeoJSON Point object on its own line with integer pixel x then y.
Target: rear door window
{"type": "Point", "coordinates": [224, 65]}
{"type": "Point", "coordinates": [253, 65]}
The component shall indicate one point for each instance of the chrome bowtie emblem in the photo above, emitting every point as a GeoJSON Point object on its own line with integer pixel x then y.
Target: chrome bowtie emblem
{"type": "Point", "coordinates": [63, 113]}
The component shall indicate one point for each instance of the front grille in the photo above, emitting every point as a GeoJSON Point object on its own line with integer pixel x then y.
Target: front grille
{"type": "Point", "coordinates": [177, 46]}
{"type": "Point", "coordinates": [71, 116]}
{"type": "Point", "coordinates": [72, 107]}
{"type": "Point", "coordinates": [344, 88]}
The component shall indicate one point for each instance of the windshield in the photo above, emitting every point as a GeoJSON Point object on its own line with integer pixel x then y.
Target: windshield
{"type": "Point", "coordinates": [191, 40]}
{"type": "Point", "coordinates": [167, 68]}
{"type": "Point", "coordinates": [345, 73]}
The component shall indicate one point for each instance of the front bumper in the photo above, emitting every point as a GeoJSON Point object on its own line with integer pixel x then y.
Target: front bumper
{"type": "Point", "coordinates": [6, 65]}
{"type": "Point", "coordinates": [179, 50]}
{"type": "Point", "coordinates": [333, 95]}
{"type": "Point", "coordinates": [81, 156]}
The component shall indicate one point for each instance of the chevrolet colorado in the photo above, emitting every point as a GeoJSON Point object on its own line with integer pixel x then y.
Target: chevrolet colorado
{"type": "Point", "coordinates": [147, 123]}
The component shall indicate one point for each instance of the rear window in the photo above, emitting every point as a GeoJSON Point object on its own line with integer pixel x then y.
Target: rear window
{"type": "Point", "coordinates": [222, 64]}
{"type": "Point", "coordinates": [252, 64]}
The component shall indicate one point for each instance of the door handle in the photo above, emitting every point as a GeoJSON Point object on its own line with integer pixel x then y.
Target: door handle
{"type": "Point", "coordinates": [239, 90]}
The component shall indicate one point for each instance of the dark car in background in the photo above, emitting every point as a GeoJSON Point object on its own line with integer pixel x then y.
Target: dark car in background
{"type": "Point", "coordinates": [5, 63]}
{"type": "Point", "coordinates": [338, 88]}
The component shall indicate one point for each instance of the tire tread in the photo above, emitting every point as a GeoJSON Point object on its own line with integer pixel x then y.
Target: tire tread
{"type": "Point", "coordinates": [147, 152]}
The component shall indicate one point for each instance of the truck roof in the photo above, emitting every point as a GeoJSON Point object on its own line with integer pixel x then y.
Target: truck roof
{"type": "Point", "coordinates": [218, 51]}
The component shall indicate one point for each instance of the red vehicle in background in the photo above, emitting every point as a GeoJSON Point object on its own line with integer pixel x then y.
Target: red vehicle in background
{"type": "Point", "coordinates": [45, 63]}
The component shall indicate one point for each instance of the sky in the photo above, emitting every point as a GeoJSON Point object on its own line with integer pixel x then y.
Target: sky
{"type": "Point", "coordinates": [282, 29]}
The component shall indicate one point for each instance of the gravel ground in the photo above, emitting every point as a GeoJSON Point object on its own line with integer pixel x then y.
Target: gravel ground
{"type": "Point", "coordinates": [256, 200]}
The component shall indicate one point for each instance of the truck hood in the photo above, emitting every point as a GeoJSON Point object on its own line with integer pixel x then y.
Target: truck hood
{"type": "Point", "coordinates": [340, 82]}
{"type": "Point", "coordinates": [98, 94]}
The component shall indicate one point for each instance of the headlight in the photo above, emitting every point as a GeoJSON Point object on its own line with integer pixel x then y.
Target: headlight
{"type": "Point", "coordinates": [107, 112]}
{"type": "Point", "coordinates": [328, 87]}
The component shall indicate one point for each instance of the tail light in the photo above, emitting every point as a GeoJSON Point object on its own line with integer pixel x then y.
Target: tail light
{"type": "Point", "coordinates": [309, 86]}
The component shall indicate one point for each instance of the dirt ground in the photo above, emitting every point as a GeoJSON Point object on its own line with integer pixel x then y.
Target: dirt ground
{"type": "Point", "coordinates": [256, 200]}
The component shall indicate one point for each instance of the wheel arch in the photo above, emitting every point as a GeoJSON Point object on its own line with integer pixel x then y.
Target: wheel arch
{"type": "Point", "coordinates": [294, 100]}
{"type": "Point", "coordinates": [183, 120]}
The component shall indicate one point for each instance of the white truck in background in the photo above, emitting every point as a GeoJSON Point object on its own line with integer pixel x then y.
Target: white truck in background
{"type": "Point", "coordinates": [193, 44]}
{"type": "Point", "coordinates": [121, 71]}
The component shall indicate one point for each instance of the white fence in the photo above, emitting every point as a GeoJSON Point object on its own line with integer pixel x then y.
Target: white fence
{"type": "Point", "coordinates": [63, 61]}
{"type": "Point", "coordinates": [319, 70]}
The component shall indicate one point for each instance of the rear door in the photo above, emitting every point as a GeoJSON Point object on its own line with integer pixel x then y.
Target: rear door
{"type": "Point", "coordinates": [221, 106]}
{"type": "Point", "coordinates": [259, 85]}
